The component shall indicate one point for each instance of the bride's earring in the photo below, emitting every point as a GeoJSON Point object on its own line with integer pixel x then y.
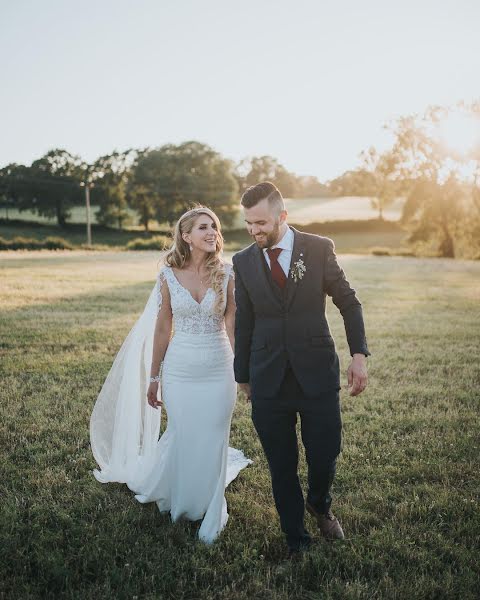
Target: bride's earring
{"type": "Point", "coordinates": [191, 247]}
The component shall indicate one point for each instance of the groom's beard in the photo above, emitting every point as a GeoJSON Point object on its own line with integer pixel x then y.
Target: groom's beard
{"type": "Point", "coordinates": [270, 239]}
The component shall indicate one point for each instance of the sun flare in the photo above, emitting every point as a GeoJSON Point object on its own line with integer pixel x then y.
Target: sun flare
{"type": "Point", "coordinates": [460, 132]}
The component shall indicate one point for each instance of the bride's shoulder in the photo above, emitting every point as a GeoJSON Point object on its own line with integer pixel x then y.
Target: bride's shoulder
{"type": "Point", "coordinates": [228, 268]}
{"type": "Point", "coordinates": [163, 273]}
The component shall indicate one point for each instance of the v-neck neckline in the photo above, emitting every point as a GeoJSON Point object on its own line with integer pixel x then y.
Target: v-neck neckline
{"type": "Point", "coordinates": [188, 291]}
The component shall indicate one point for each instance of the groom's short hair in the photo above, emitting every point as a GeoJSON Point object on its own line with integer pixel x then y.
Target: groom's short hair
{"type": "Point", "coordinates": [256, 193]}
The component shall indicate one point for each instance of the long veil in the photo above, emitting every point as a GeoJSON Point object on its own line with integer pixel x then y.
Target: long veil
{"type": "Point", "coordinates": [124, 429]}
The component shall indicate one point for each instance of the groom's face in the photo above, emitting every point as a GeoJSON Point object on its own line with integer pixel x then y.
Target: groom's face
{"type": "Point", "coordinates": [263, 224]}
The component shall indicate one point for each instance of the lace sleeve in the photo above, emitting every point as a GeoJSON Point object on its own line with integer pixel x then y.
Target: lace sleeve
{"type": "Point", "coordinates": [161, 279]}
{"type": "Point", "coordinates": [229, 272]}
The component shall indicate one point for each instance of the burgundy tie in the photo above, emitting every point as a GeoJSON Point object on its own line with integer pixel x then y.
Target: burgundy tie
{"type": "Point", "coordinates": [278, 274]}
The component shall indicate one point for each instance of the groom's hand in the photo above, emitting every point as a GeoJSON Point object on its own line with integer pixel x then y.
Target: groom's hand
{"type": "Point", "coordinates": [357, 374]}
{"type": "Point", "coordinates": [245, 387]}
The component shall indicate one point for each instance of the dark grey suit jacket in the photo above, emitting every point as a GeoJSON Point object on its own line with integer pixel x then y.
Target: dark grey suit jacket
{"type": "Point", "coordinates": [273, 326]}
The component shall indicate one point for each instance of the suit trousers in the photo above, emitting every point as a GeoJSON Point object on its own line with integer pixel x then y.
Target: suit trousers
{"type": "Point", "coordinates": [275, 421]}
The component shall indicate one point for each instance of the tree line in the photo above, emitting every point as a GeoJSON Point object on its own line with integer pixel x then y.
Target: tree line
{"type": "Point", "coordinates": [439, 181]}
{"type": "Point", "coordinates": [436, 169]}
{"type": "Point", "coordinates": [158, 184]}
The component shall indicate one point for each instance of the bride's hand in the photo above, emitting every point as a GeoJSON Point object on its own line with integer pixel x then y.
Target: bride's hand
{"type": "Point", "coordinates": [152, 395]}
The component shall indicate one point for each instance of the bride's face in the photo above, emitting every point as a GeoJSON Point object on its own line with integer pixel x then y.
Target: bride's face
{"type": "Point", "coordinates": [203, 235]}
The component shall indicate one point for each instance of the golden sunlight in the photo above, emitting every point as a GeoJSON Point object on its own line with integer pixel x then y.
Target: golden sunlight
{"type": "Point", "coordinates": [459, 132]}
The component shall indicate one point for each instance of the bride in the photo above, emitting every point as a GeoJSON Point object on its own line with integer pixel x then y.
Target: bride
{"type": "Point", "coordinates": [186, 470]}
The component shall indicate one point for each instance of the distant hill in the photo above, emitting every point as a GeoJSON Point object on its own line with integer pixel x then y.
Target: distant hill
{"type": "Point", "coordinates": [315, 210]}
{"type": "Point", "coordinates": [301, 211]}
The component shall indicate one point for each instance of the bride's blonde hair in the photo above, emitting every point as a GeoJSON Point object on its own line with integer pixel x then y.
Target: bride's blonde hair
{"type": "Point", "coordinates": [179, 253]}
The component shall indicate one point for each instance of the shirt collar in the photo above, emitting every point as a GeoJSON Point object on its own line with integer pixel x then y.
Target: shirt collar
{"type": "Point", "coordinates": [286, 243]}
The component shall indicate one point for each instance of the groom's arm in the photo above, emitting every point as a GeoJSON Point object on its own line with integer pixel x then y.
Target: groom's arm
{"type": "Point", "coordinates": [244, 322]}
{"type": "Point", "coordinates": [345, 299]}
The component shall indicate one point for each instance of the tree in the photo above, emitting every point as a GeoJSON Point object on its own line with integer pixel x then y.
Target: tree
{"type": "Point", "coordinates": [472, 226]}
{"type": "Point", "coordinates": [14, 187]}
{"type": "Point", "coordinates": [434, 212]}
{"type": "Point", "coordinates": [142, 200]}
{"type": "Point", "coordinates": [256, 169]}
{"type": "Point", "coordinates": [375, 179]}
{"type": "Point", "coordinates": [308, 186]}
{"type": "Point", "coordinates": [109, 175]}
{"type": "Point", "coordinates": [380, 185]}
{"type": "Point", "coordinates": [357, 182]}
{"type": "Point", "coordinates": [437, 208]}
{"type": "Point", "coordinates": [51, 186]}
{"type": "Point", "coordinates": [165, 182]}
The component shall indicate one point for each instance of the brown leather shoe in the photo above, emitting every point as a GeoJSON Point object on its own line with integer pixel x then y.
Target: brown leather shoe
{"type": "Point", "coordinates": [328, 524]}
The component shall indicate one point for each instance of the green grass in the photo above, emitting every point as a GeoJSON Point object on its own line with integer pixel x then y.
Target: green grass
{"type": "Point", "coordinates": [77, 215]}
{"type": "Point", "coordinates": [406, 489]}
{"type": "Point", "coordinates": [73, 233]}
{"type": "Point", "coordinates": [355, 242]}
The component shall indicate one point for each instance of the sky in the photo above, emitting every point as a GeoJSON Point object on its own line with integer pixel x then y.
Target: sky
{"type": "Point", "coordinates": [310, 82]}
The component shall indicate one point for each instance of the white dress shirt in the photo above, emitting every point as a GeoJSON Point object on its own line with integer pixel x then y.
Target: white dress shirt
{"type": "Point", "coordinates": [285, 256]}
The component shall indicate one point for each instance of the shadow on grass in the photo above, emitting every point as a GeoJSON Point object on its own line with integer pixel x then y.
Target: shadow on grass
{"type": "Point", "coordinates": [405, 488]}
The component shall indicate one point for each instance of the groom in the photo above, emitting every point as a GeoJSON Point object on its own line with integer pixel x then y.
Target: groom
{"type": "Point", "coordinates": [285, 359]}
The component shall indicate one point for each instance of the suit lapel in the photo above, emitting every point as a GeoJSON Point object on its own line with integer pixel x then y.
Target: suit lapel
{"type": "Point", "coordinates": [299, 253]}
{"type": "Point", "coordinates": [263, 275]}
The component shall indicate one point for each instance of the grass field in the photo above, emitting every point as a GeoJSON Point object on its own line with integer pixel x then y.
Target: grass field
{"type": "Point", "coordinates": [406, 491]}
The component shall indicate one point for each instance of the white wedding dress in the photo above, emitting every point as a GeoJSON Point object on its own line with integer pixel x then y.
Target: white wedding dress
{"type": "Point", "coordinates": [186, 470]}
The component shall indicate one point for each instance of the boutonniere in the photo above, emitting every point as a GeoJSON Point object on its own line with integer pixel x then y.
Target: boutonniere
{"type": "Point", "coordinates": [298, 270]}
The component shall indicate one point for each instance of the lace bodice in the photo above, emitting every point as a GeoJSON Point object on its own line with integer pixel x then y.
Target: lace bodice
{"type": "Point", "coordinates": [189, 315]}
